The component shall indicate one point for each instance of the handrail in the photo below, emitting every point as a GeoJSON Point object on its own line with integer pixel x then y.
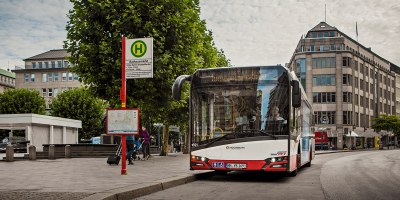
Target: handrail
{"type": "Point", "coordinates": [219, 129]}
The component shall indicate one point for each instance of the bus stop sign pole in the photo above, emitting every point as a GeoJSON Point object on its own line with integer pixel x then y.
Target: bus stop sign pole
{"type": "Point", "coordinates": [123, 99]}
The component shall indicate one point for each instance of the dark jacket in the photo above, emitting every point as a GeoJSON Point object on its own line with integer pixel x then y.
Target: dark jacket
{"type": "Point", "coordinates": [145, 135]}
{"type": "Point", "coordinates": [130, 137]}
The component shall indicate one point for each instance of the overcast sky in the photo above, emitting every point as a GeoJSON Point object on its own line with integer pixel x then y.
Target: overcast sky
{"type": "Point", "coordinates": [263, 32]}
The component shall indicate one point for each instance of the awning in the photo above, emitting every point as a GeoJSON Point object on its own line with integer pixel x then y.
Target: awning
{"type": "Point", "coordinates": [352, 134]}
{"type": "Point", "coordinates": [366, 134]}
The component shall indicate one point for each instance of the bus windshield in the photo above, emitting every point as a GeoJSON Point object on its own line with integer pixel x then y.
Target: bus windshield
{"type": "Point", "coordinates": [239, 102]}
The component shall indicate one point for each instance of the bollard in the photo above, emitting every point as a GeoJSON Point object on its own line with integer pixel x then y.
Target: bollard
{"type": "Point", "coordinates": [52, 152]}
{"type": "Point", "coordinates": [32, 152]}
{"type": "Point", "coordinates": [67, 151]}
{"type": "Point", "coordinates": [10, 153]}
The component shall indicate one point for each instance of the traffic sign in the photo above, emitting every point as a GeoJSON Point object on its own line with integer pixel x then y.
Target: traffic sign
{"type": "Point", "coordinates": [139, 58]}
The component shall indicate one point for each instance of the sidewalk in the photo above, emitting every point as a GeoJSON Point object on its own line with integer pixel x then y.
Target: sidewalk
{"type": "Point", "coordinates": [93, 178]}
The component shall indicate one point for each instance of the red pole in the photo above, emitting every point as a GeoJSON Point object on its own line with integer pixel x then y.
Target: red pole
{"type": "Point", "coordinates": [123, 99]}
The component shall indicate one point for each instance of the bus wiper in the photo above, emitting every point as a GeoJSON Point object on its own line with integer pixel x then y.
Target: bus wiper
{"type": "Point", "coordinates": [217, 139]}
{"type": "Point", "coordinates": [269, 134]}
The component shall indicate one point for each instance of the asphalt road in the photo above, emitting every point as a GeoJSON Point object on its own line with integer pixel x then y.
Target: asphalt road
{"type": "Point", "coordinates": [348, 175]}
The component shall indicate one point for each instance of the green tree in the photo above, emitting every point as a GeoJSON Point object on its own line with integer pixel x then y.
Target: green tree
{"type": "Point", "coordinates": [387, 123]}
{"type": "Point", "coordinates": [20, 101]}
{"type": "Point", "coordinates": [181, 42]}
{"type": "Point", "coordinates": [80, 104]}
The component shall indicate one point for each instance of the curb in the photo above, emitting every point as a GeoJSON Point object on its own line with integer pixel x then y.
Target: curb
{"type": "Point", "coordinates": [343, 151]}
{"type": "Point", "coordinates": [137, 190]}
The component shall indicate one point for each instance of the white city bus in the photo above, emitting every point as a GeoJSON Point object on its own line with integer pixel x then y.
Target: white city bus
{"type": "Point", "coordinates": [248, 118]}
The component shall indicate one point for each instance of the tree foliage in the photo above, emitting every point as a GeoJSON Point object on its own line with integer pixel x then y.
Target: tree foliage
{"type": "Point", "coordinates": [22, 100]}
{"type": "Point", "coordinates": [19, 101]}
{"type": "Point", "coordinates": [80, 104]}
{"type": "Point", "coordinates": [181, 42]}
{"type": "Point", "coordinates": [387, 123]}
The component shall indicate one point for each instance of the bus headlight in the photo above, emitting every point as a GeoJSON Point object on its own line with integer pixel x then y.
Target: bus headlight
{"type": "Point", "coordinates": [203, 159]}
{"type": "Point", "coordinates": [273, 160]}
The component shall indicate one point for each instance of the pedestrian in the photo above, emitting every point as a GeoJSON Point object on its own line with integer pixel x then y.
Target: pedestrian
{"type": "Point", "coordinates": [365, 146]}
{"type": "Point", "coordinates": [129, 144]}
{"type": "Point", "coordinates": [144, 135]}
{"type": "Point", "coordinates": [333, 147]}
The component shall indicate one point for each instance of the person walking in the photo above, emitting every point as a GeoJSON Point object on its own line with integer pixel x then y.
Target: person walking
{"type": "Point", "coordinates": [365, 146]}
{"type": "Point", "coordinates": [129, 144]}
{"type": "Point", "coordinates": [144, 135]}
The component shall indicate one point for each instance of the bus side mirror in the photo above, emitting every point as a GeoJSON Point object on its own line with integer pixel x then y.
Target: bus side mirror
{"type": "Point", "coordinates": [296, 97]}
{"type": "Point", "coordinates": [177, 87]}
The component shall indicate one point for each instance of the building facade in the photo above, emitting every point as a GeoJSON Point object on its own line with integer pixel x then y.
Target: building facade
{"type": "Point", "coordinates": [48, 73]}
{"type": "Point", "coordinates": [7, 80]}
{"type": "Point", "coordinates": [347, 83]}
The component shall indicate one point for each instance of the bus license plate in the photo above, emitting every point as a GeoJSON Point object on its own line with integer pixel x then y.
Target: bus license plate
{"type": "Point", "coordinates": [235, 166]}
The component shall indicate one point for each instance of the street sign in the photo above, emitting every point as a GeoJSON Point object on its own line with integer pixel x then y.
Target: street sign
{"type": "Point", "coordinates": [138, 58]}
{"type": "Point", "coordinates": [123, 121]}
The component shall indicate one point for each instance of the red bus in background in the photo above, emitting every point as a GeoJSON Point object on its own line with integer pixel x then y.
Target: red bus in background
{"type": "Point", "coordinates": [321, 136]}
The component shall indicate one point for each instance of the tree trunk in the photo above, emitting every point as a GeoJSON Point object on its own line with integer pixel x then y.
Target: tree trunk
{"type": "Point", "coordinates": [164, 150]}
{"type": "Point", "coordinates": [187, 140]}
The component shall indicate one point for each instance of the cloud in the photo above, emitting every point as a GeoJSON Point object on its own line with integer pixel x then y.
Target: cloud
{"type": "Point", "coordinates": [267, 32]}
{"type": "Point", "coordinates": [31, 27]}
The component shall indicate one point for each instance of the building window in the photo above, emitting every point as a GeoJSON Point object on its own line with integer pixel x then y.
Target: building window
{"type": "Point", "coordinates": [26, 78]}
{"type": "Point", "coordinates": [32, 77]}
{"type": "Point", "coordinates": [361, 101]}
{"type": "Point", "coordinates": [371, 104]}
{"type": "Point", "coordinates": [325, 117]}
{"type": "Point", "coordinates": [55, 76]}
{"type": "Point", "coordinates": [76, 76]}
{"type": "Point", "coordinates": [40, 65]}
{"type": "Point", "coordinates": [33, 65]}
{"type": "Point", "coordinates": [356, 100]}
{"type": "Point", "coordinates": [302, 49]}
{"type": "Point", "coordinates": [55, 92]}
{"type": "Point", "coordinates": [371, 73]}
{"type": "Point", "coordinates": [341, 46]}
{"type": "Point", "coordinates": [393, 97]}
{"type": "Point", "coordinates": [326, 34]}
{"type": "Point", "coordinates": [332, 47]}
{"type": "Point", "coordinates": [65, 64]}
{"type": "Point", "coordinates": [366, 70]}
{"type": "Point", "coordinates": [347, 117]}
{"type": "Point", "coordinates": [366, 102]}
{"type": "Point", "coordinates": [44, 77]}
{"type": "Point", "coordinates": [50, 77]}
{"type": "Point", "coordinates": [319, 35]}
{"type": "Point", "coordinates": [323, 62]}
{"type": "Point", "coordinates": [50, 92]}
{"type": "Point", "coordinates": [324, 97]}
{"type": "Point", "coordinates": [70, 88]}
{"type": "Point", "coordinates": [53, 64]}
{"type": "Point", "coordinates": [311, 48]}
{"type": "Point", "coordinates": [46, 64]}
{"type": "Point", "coordinates": [44, 92]}
{"type": "Point", "coordinates": [346, 79]}
{"type": "Point", "coordinates": [331, 34]}
{"type": "Point", "coordinates": [59, 64]}
{"type": "Point", "coordinates": [64, 76]}
{"type": "Point", "coordinates": [324, 79]}
{"type": "Point", "coordinates": [70, 76]}
{"type": "Point", "coordinates": [345, 62]}
{"type": "Point", "coordinates": [321, 47]}
{"type": "Point", "coordinates": [347, 96]}
{"type": "Point", "coordinates": [63, 89]}
{"type": "Point", "coordinates": [356, 83]}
